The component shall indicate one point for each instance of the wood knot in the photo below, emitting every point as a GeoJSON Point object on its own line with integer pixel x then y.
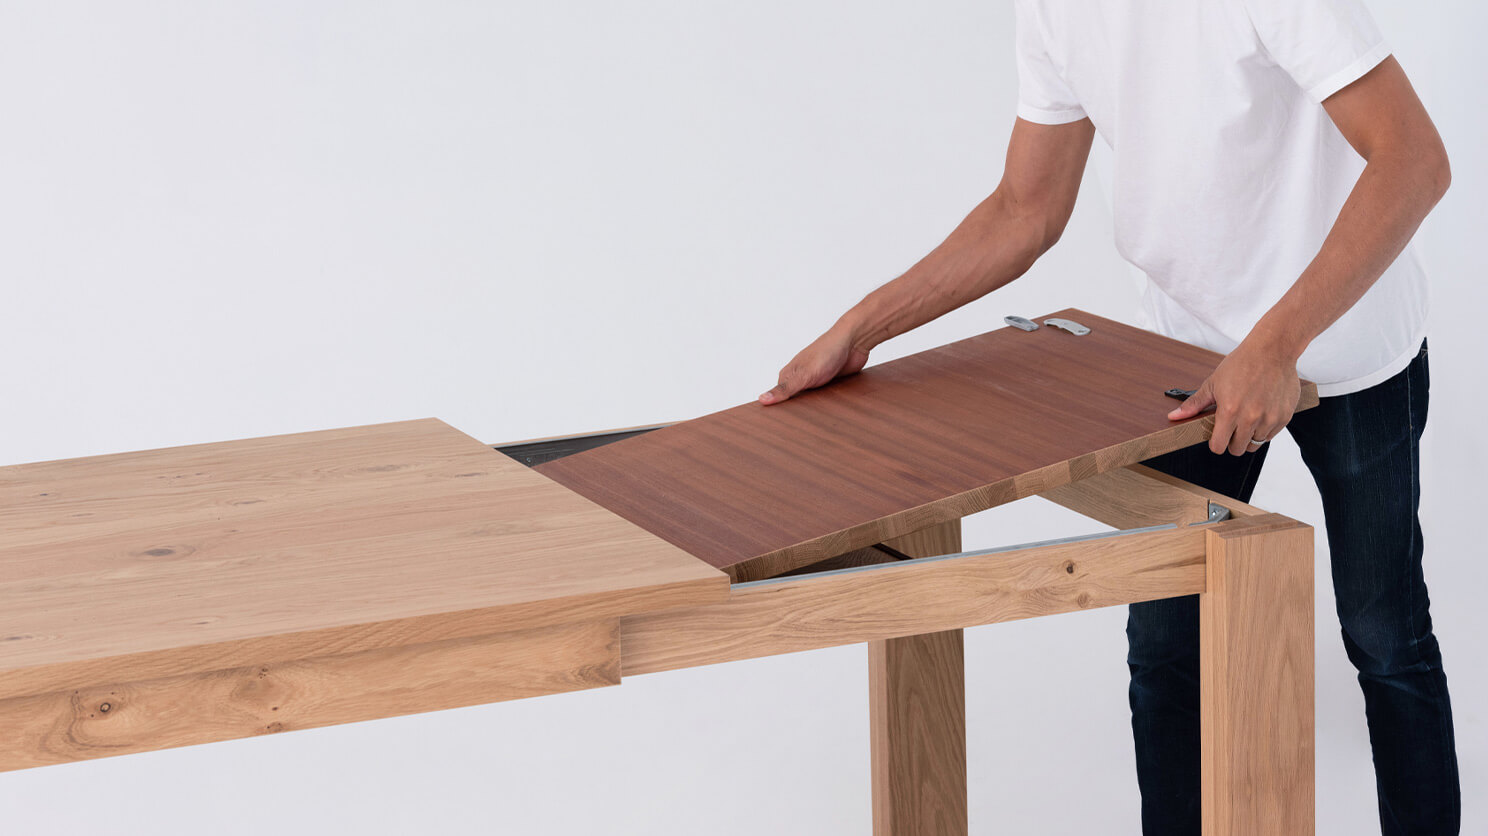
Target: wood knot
{"type": "Point", "coordinates": [177, 551]}
{"type": "Point", "coordinates": [1069, 567]}
{"type": "Point", "coordinates": [105, 708]}
{"type": "Point", "coordinates": [1083, 600]}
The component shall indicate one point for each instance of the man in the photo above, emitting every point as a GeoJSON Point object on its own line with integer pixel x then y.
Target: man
{"type": "Point", "coordinates": [1271, 164]}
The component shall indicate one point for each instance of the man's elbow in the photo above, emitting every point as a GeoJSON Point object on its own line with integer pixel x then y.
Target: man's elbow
{"type": "Point", "coordinates": [1045, 225]}
{"type": "Point", "coordinates": [1440, 176]}
{"type": "Point", "coordinates": [1421, 169]}
{"type": "Point", "coordinates": [1432, 168]}
{"type": "Point", "coordinates": [1031, 228]}
{"type": "Point", "coordinates": [1053, 230]}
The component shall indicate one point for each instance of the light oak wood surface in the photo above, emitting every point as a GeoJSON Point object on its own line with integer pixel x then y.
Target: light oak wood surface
{"type": "Point", "coordinates": [120, 718]}
{"type": "Point", "coordinates": [898, 599]}
{"type": "Point", "coordinates": [1236, 507]}
{"type": "Point", "coordinates": [1256, 679]}
{"type": "Point", "coordinates": [917, 718]}
{"type": "Point", "coordinates": [903, 445]}
{"type": "Point", "coordinates": [1129, 497]}
{"type": "Point", "coordinates": [166, 562]}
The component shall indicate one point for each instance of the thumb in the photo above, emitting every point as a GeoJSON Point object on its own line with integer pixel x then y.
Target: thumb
{"type": "Point", "coordinates": [780, 392]}
{"type": "Point", "coordinates": [857, 358]}
{"type": "Point", "coordinates": [1200, 400]}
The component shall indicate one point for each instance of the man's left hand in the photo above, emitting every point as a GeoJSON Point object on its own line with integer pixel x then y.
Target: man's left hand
{"type": "Point", "coordinates": [1254, 392]}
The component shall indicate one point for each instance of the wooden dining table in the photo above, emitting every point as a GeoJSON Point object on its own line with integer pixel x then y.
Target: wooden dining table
{"type": "Point", "coordinates": [212, 592]}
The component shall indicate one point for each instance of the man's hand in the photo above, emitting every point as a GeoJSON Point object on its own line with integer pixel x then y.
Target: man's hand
{"type": "Point", "coordinates": [833, 355]}
{"type": "Point", "coordinates": [1254, 391]}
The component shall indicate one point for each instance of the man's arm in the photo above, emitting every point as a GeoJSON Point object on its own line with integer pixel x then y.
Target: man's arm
{"type": "Point", "coordinates": [1406, 172]}
{"type": "Point", "coordinates": [995, 244]}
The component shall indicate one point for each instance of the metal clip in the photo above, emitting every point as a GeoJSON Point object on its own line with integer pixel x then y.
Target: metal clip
{"type": "Point", "coordinates": [1068, 325]}
{"type": "Point", "coordinates": [1021, 323]}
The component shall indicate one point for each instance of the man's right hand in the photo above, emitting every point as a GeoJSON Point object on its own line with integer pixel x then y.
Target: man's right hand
{"type": "Point", "coordinates": [833, 355]}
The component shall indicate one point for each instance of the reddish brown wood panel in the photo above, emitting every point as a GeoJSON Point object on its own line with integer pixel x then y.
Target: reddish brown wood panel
{"type": "Point", "coordinates": [924, 439]}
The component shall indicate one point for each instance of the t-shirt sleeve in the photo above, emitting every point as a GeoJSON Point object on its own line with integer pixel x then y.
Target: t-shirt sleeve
{"type": "Point", "coordinates": [1325, 45]}
{"type": "Point", "coordinates": [1043, 96]}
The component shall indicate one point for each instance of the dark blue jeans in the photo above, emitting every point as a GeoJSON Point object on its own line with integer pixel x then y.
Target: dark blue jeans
{"type": "Point", "coordinates": [1362, 450]}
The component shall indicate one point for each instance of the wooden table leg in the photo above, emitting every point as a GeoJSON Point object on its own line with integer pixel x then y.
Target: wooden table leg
{"type": "Point", "coordinates": [1256, 681]}
{"type": "Point", "coordinates": [917, 710]}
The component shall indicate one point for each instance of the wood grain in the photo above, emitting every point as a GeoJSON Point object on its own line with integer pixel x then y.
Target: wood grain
{"type": "Point", "coordinates": [164, 562]}
{"type": "Point", "coordinates": [787, 615]}
{"type": "Point", "coordinates": [917, 718]}
{"type": "Point", "coordinates": [1128, 497]}
{"type": "Point", "coordinates": [1256, 679]}
{"type": "Point", "coordinates": [1236, 508]}
{"type": "Point", "coordinates": [903, 445]}
{"type": "Point", "coordinates": [125, 717]}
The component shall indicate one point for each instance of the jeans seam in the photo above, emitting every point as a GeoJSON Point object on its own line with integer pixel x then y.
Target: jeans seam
{"type": "Point", "coordinates": [1448, 755]}
{"type": "Point", "coordinates": [1410, 413]}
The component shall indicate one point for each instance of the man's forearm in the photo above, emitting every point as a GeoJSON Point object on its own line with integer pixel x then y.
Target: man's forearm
{"type": "Point", "coordinates": [995, 244]}
{"type": "Point", "coordinates": [1387, 204]}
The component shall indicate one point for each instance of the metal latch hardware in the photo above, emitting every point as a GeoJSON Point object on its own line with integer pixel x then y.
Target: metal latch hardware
{"type": "Point", "coordinates": [1067, 325]}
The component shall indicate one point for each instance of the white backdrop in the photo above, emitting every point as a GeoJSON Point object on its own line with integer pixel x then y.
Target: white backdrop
{"type": "Point", "coordinates": [223, 220]}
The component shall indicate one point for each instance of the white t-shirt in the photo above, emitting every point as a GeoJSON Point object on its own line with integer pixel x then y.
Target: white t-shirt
{"type": "Point", "coordinates": [1227, 174]}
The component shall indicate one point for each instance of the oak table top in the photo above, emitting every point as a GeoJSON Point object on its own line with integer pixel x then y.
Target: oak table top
{"type": "Point", "coordinates": [200, 557]}
{"type": "Point", "coordinates": [920, 440]}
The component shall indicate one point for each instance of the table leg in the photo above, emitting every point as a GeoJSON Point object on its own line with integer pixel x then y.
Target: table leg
{"type": "Point", "coordinates": [1256, 681]}
{"type": "Point", "coordinates": [917, 712]}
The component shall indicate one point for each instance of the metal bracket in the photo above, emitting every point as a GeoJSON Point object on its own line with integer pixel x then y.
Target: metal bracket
{"type": "Point", "coordinates": [1021, 323]}
{"type": "Point", "coordinates": [1217, 513]}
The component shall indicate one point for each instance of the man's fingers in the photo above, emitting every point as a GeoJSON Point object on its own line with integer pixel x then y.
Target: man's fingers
{"type": "Point", "coordinates": [856, 360]}
{"type": "Point", "coordinates": [1200, 400]}
{"type": "Point", "coordinates": [821, 363]}
{"type": "Point", "coordinates": [1269, 429]}
{"type": "Point", "coordinates": [789, 385]}
{"type": "Point", "coordinates": [1224, 432]}
{"type": "Point", "coordinates": [782, 391]}
{"type": "Point", "coordinates": [1245, 431]}
{"type": "Point", "coordinates": [1271, 432]}
{"type": "Point", "coordinates": [775, 395]}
